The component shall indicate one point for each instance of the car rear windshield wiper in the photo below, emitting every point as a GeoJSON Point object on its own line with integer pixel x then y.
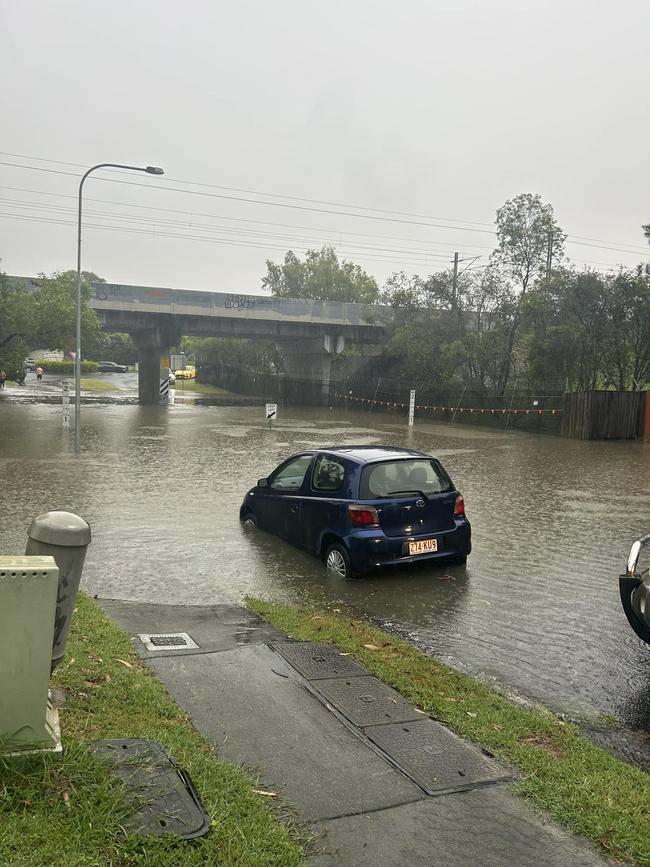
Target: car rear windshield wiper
{"type": "Point", "coordinates": [408, 491]}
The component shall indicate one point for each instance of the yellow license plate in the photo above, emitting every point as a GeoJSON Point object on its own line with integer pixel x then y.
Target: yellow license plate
{"type": "Point", "coordinates": [423, 546]}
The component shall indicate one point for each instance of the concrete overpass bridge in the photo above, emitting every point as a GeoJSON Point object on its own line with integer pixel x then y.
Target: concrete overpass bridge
{"type": "Point", "coordinates": [308, 333]}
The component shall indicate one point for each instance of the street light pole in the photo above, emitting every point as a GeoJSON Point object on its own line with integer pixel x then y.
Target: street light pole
{"type": "Point", "coordinates": [152, 170]}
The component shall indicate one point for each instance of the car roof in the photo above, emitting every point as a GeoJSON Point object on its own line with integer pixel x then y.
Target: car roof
{"type": "Point", "coordinates": [371, 454]}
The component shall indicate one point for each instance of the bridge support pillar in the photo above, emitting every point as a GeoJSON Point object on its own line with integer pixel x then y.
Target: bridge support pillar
{"type": "Point", "coordinates": [308, 366]}
{"type": "Point", "coordinates": [150, 373]}
{"type": "Point", "coordinates": [153, 362]}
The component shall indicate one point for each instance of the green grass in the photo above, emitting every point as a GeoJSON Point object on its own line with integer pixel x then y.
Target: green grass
{"type": "Point", "coordinates": [68, 811]}
{"type": "Point", "coordinates": [182, 385]}
{"type": "Point", "coordinates": [88, 384]}
{"type": "Point", "coordinates": [579, 784]}
{"type": "Point", "coordinates": [200, 387]}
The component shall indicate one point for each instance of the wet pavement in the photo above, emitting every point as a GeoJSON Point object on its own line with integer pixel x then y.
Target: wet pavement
{"type": "Point", "coordinates": [389, 792]}
{"type": "Point", "coordinates": [535, 612]}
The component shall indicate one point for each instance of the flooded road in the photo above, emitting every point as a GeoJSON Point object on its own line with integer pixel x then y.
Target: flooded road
{"type": "Point", "coordinates": [536, 610]}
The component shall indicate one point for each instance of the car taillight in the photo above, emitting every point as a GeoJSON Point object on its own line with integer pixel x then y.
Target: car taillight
{"type": "Point", "coordinates": [459, 507]}
{"type": "Point", "coordinates": [364, 516]}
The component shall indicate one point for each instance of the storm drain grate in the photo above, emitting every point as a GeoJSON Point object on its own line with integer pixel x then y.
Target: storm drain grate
{"type": "Point", "coordinates": [317, 660]}
{"type": "Point", "coordinates": [366, 701]}
{"type": "Point", "coordinates": [435, 758]}
{"type": "Point", "coordinates": [167, 641]}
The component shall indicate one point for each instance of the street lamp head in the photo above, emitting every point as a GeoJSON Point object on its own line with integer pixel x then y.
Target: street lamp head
{"type": "Point", "coordinates": [155, 170]}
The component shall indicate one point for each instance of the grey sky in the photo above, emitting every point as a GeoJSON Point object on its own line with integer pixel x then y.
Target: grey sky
{"type": "Point", "coordinates": [438, 108]}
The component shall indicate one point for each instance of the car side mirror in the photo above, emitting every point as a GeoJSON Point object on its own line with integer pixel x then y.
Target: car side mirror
{"type": "Point", "coordinates": [262, 483]}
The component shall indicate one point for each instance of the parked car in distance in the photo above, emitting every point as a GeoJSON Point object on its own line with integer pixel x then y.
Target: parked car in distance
{"type": "Point", "coordinates": [111, 367]}
{"type": "Point", "coordinates": [188, 373]}
{"type": "Point", "coordinates": [30, 364]}
{"type": "Point", "coordinates": [362, 507]}
{"type": "Point", "coordinates": [634, 587]}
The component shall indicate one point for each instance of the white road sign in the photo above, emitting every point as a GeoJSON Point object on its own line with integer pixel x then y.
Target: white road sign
{"type": "Point", "coordinates": [271, 411]}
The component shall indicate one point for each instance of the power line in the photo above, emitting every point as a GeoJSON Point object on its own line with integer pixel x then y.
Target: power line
{"type": "Point", "coordinates": [254, 201]}
{"type": "Point", "coordinates": [450, 244]}
{"type": "Point", "coordinates": [363, 256]}
{"type": "Point", "coordinates": [272, 195]}
{"type": "Point", "coordinates": [285, 205]}
{"type": "Point", "coordinates": [447, 244]}
{"type": "Point", "coordinates": [356, 246]}
{"type": "Point", "coordinates": [369, 216]}
{"type": "Point", "coordinates": [186, 236]}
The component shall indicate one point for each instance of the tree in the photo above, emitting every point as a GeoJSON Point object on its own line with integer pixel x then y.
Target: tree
{"type": "Point", "coordinates": [626, 357]}
{"type": "Point", "coordinates": [426, 340]}
{"type": "Point", "coordinates": [403, 292]}
{"type": "Point", "coordinates": [14, 324]}
{"type": "Point", "coordinates": [646, 232]}
{"type": "Point", "coordinates": [529, 241]}
{"type": "Point", "coordinates": [320, 277]}
{"type": "Point", "coordinates": [449, 337]}
{"type": "Point", "coordinates": [259, 356]}
{"type": "Point", "coordinates": [43, 317]}
{"type": "Point", "coordinates": [55, 311]}
{"type": "Point", "coordinates": [567, 321]}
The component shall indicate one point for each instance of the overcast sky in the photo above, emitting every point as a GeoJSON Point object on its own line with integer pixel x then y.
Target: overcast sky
{"type": "Point", "coordinates": [439, 110]}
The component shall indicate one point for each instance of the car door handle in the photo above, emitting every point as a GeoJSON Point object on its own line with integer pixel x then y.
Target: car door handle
{"type": "Point", "coordinates": [295, 508]}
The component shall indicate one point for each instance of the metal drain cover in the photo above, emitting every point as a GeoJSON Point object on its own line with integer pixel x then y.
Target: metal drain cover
{"type": "Point", "coordinates": [315, 661]}
{"type": "Point", "coordinates": [435, 758]}
{"type": "Point", "coordinates": [366, 701]}
{"type": "Point", "coordinates": [165, 797]}
{"type": "Point", "coordinates": [167, 641]}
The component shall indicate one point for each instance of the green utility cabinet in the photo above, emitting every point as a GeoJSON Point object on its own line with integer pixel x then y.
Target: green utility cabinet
{"type": "Point", "coordinates": [28, 596]}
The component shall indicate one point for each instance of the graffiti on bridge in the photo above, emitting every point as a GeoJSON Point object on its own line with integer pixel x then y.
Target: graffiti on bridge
{"type": "Point", "coordinates": [250, 302]}
{"type": "Point", "coordinates": [104, 291]}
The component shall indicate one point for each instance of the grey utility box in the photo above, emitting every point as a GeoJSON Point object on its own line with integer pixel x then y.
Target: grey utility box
{"type": "Point", "coordinates": [28, 587]}
{"type": "Point", "coordinates": [65, 537]}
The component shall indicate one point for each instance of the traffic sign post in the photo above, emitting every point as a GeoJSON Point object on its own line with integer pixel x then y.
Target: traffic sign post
{"type": "Point", "coordinates": [65, 403]}
{"type": "Point", "coordinates": [271, 413]}
{"type": "Point", "coordinates": [412, 408]}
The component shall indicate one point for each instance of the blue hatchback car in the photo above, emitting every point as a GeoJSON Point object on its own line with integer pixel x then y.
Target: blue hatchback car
{"type": "Point", "coordinates": [361, 507]}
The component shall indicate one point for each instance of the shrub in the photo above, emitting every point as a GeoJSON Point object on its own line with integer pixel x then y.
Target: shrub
{"type": "Point", "coordinates": [66, 366]}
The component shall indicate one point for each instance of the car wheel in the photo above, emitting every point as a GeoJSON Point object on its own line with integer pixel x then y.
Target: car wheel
{"type": "Point", "coordinates": [250, 520]}
{"type": "Point", "coordinates": [337, 561]}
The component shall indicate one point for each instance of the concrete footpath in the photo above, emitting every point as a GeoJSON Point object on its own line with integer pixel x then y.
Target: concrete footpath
{"type": "Point", "coordinates": [381, 784]}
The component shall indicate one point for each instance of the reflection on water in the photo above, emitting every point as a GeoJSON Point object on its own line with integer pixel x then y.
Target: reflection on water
{"type": "Point", "coordinates": [536, 610]}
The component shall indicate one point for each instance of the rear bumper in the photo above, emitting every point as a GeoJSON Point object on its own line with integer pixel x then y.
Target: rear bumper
{"type": "Point", "coordinates": [371, 549]}
{"type": "Point", "coordinates": [635, 596]}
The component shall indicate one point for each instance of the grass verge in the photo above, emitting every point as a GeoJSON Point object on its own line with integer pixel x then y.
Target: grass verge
{"type": "Point", "coordinates": [579, 784]}
{"type": "Point", "coordinates": [206, 388]}
{"type": "Point", "coordinates": [200, 387]}
{"type": "Point", "coordinates": [68, 811]}
{"type": "Point", "coordinates": [89, 384]}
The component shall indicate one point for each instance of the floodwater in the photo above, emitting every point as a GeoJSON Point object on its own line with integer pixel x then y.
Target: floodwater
{"type": "Point", "coordinates": [536, 611]}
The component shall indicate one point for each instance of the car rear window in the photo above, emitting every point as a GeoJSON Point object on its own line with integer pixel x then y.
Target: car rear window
{"type": "Point", "coordinates": [403, 477]}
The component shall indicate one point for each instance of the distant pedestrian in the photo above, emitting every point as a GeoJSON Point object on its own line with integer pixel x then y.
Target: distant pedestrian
{"type": "Point", "coordinates": [3, 377]}
{"type": "Point", "coordinates": [39, 374]}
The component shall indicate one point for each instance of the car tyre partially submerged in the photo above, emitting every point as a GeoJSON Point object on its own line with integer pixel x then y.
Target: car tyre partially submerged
{"type": "Point", "coordinates": [337, 562]}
